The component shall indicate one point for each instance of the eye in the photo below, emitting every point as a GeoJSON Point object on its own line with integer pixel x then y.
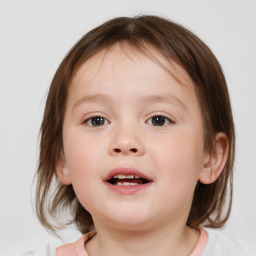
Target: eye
{"type": "Point", "coordinates": [159, 120]}
{"type": "Point", "coordinates": [96, 121]}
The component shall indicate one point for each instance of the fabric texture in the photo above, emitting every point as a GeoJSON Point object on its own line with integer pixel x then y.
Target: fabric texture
{"type": "Point", "coordinates": [222, 245]}
{"type": "Point", "coordinates": [211, 243]}
{"type": "Point", "coordinates": [77, 248]}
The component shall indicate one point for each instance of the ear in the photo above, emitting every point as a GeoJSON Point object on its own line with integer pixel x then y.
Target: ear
{"type": "Point", "coordinates": [62, 171]}
{"type": "Point", "coordinates": [215, 160]}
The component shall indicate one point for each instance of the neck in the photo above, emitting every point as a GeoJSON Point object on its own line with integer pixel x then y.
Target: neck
{"type": "Point", "coordinates": [162, 241]}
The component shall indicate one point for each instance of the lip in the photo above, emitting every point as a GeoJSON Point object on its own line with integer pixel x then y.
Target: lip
{"type": "Point", "coordinates": [127, 189]}
{"type": "Point", "coordinates": [126, 171]}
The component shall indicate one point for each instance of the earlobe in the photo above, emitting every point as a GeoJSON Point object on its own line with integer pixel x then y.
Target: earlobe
{"type": "Point", "coordinates": [215, 160]}
{"type": "Point", "coordinates": [62, 172]}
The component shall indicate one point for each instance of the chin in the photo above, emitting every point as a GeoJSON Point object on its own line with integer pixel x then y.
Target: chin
{"type": "Point", "coordinates": [124, 215]}
{"type": "Point", "coordinates": [129, 221]}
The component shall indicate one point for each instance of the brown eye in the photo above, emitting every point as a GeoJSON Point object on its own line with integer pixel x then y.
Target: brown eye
{"type": "Point", "coordinates": [159, 121]}
{"type": "Point", "coordinates": [96, 121]}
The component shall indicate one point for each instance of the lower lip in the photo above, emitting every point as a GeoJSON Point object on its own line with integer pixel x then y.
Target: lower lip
{"type": "Point", "coordinates": [128, 189]}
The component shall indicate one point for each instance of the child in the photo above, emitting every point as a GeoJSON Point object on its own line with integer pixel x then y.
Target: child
{"type": "Point", "coordinates": [137, 144]}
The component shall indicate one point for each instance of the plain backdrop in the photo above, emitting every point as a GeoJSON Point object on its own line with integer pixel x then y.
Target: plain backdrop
{"type": "Point", "coordinates": [35, 36]}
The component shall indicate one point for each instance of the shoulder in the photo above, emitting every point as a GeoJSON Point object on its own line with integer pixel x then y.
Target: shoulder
{"type": "Point", "coordinates": [46, 246]}
{"type": "Point", "coordinates": [220, 244]}
{"type": "Point", "coordinates": [46, 249]}
{"type": "Point", "coordinates": [77, 248]}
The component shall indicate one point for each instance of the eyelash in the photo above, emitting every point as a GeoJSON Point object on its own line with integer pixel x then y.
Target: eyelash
{"type": "Point", "coordinates": [164, 118]}
{"type": "Point", "coordinates": [90, 120]}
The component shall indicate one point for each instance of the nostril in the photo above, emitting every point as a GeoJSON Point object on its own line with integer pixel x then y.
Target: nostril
{"type": "Point", "coordinates": [118, 150]}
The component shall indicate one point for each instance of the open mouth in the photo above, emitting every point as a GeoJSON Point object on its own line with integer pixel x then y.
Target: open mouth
{"type": "Point", "coordinates": [127, 180]}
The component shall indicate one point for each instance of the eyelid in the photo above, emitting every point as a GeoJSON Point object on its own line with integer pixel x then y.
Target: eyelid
{"type": "Point", "coordinates": [92, 115]}
{"type": "Point", "coordinates": [169, 121]}
{"type": "Point", "coordinates": [89, 116]}
{"type": "Point", "coordinates": [165, 115]}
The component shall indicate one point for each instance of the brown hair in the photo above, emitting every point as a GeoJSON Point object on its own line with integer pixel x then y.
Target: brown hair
{"type": "Point", "coordinates": [175, 43]}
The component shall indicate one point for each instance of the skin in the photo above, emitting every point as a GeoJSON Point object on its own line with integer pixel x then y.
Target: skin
{"type": "Point", "coordinates": [171, 155]}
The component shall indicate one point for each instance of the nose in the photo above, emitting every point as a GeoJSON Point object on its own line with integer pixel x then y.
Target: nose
{"type": "Point", "coordinates": [127, 141]}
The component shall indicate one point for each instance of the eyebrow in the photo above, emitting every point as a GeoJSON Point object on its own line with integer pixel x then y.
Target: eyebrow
{"type": "Point", "coordinates": [147, 99]}
{"type": "Point", "coordinates": [99, 97]}
{"type": "Point", "coordinates": [163, 98]}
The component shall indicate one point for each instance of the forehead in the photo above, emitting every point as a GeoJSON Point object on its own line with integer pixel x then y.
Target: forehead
{"type": "Point", "coordinates": [124, 73]}
{"type": "Point", "coordinates": [143, 57]}
{"type": "Point", "coordinates": [125, 80]}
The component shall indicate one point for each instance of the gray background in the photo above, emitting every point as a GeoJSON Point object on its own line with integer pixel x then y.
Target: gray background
{"type": "Point", "coordinates": [35, 36]}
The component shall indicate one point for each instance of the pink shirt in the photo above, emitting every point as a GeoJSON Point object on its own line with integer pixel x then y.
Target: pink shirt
{"type": "Point", "coordinates": [78, 249]}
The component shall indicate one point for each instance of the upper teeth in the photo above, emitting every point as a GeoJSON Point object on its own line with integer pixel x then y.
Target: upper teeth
{"type": "Point", "coordinates": [123, 176]}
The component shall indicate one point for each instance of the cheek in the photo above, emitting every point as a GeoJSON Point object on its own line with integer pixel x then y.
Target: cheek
{"type": "Point", "coordinates": [179, 164]}
{"type": "Point", "coordinates": [180, 158]}
{"type": "Point", "coordinates": [82, 159]}
{"type": "Point", "coordinates": [81, 155]}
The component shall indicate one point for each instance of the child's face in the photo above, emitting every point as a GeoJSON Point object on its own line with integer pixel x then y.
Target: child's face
{"type": "Point", "coordinates": [146, 121]}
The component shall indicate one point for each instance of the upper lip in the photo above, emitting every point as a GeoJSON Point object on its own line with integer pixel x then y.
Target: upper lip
{"type": "Point", "coordinates": [126, 171]}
